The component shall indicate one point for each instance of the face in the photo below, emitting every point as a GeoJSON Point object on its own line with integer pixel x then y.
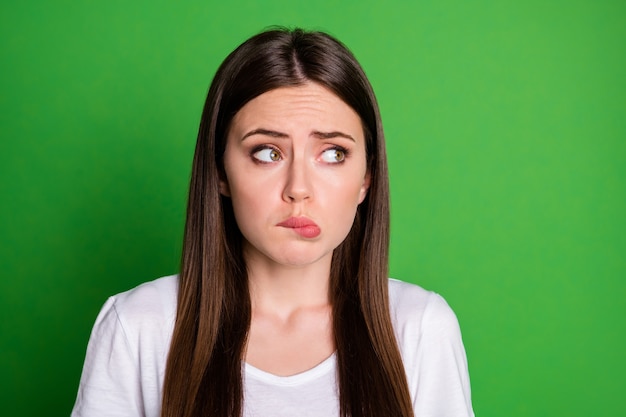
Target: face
{"type": "Point", "coordinates": [296, 171]}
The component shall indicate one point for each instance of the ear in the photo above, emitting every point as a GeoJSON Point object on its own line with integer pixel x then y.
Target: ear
{"type": "Point", "coordinates": [224, 188]}
{"type": "Point", "coordinates": [365, 187]}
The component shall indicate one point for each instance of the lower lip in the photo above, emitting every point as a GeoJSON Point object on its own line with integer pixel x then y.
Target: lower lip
{"type": "Point", "coordinates": [308, 232]}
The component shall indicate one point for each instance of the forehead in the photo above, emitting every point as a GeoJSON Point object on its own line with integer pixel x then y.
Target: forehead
{"type": "Point", "coordinates": [307, 106]}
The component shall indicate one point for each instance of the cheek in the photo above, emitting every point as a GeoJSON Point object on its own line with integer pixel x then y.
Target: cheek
{"type": "Point", "coordinates": [246, 211]}
{"type": "Point", "coordinates": [341, 202]}
{"type": "Point", "coordinates": [245, 195]}
{"type": "Point", "coordinates": [252, 197]}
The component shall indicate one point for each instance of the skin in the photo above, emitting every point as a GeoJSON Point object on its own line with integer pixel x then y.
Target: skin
{"type": "Point", "coordinates": [293, 152]}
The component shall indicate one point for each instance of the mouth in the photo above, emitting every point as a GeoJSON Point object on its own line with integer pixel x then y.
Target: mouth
{"type": "Point", "coordinates": [303, 226]}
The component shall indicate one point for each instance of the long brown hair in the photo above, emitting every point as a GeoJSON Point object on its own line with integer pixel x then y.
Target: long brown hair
{"type": "Point", "coordinates": [204, 367]}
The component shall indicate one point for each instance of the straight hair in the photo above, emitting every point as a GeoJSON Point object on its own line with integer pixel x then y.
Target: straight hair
{"type": "Point", "coordinates": [204, 374]}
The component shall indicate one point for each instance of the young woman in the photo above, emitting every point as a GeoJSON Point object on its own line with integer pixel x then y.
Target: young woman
{"type": "Point", "coordinates": [282, 306]}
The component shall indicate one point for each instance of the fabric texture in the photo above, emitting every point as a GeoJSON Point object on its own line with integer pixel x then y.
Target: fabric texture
{"type": "Point", "coordinates": [127, 352]}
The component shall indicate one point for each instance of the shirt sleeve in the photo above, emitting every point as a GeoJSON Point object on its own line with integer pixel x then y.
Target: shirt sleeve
{"type": "Point", "coordinates": [443, 387]}
{"type": "Point", "coordinates": [110, 381]}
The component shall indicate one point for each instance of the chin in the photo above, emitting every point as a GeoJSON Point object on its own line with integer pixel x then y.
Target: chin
{"type": "Point", "coordinates": [300, 258]}
{"type": "Point", "coordinates": [296, 261]}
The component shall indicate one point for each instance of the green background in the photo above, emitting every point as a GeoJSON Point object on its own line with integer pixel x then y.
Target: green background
{"type": "Point", "coordinates": [506, 129]}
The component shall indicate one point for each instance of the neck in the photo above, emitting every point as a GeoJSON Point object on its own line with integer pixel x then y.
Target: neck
{"type": "Point", "coordinates": [284, 289]}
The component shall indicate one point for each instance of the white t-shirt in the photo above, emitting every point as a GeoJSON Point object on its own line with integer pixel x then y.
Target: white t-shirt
{"type": "Point", "coordinates": [127, 352]}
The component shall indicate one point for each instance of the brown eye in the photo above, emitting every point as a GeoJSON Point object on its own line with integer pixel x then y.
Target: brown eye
{"type": "Point", "coordinates": [333, 155]}
{"type": "Point", "coordinates": [267, 155]}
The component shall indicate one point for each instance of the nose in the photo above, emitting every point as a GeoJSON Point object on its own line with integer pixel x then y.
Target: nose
{"type": "Point", "coordinates": [298, 182]}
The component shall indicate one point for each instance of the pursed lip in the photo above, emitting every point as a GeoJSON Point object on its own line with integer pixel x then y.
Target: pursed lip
{"type": "Point", "coordinates": [304, 226]}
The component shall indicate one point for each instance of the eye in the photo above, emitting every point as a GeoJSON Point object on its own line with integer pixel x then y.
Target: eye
{"type": "Point", "coordinates": [334, 155]}
{"type": "Point", "coordinates": [266, 154]}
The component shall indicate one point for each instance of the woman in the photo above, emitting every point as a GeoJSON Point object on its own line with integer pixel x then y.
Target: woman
{"type": "Point", "coordinates": [283, 306]}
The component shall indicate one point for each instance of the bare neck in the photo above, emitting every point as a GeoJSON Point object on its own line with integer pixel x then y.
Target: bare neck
{"type": "Point", "coordinates": [291, 323]}
{"type": "Point", "coordinates": [283, 289]}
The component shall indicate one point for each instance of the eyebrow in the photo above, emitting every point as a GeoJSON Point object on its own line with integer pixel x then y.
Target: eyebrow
{"type": "Point", "coordinates": [265, 132]}
{"type": "Point", "coordinates": [315, 133]}
{"type": "Point", "coordinates": [330, 135]}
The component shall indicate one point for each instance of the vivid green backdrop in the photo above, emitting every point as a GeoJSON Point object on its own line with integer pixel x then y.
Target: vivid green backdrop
{"type": "Point", "coordinates": [506, 130]}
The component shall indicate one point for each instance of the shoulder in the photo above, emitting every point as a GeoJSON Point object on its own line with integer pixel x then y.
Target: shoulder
{"type": "Point", "coordinates": [414, 301]}
{"type": "Point", "coordinates": [146, 310]}
{"type": "Point", "coordinates": [415, 311]}
{"type": "Point", "coordinates": [127, 352]}
{"type": "Point", "coordinates": [432, 350]}
{"type": "Point", "coordinates": [153, 297]}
